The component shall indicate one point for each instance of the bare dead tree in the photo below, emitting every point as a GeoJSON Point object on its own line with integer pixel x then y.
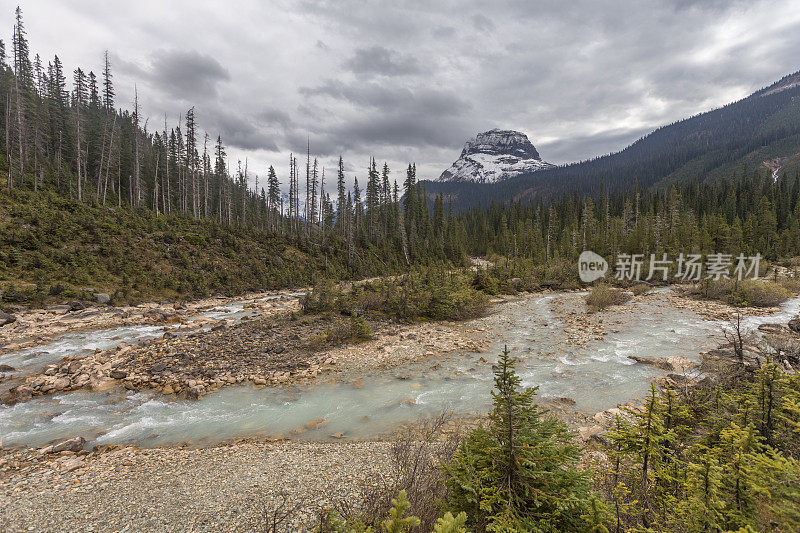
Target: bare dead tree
{"type": "Point", "coordinates": [734, 336]}
{"type": "Point", "coordinates": [277, 514]}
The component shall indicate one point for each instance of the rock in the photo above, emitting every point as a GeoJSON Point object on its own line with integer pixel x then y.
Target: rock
{"type": "Point", "coordinates": [587, 433]}
{"type": "Point", "coordinates": [194, 393]}
{"type": "Point", "coordinates": [74, 444]}
{"type": "Point", "coordinates": [6, 318]}
{"type": "Point", "coordinates": [101, 297]}
{"type": "Point", "coordinates": [316, 423]}
{"type": "Point", "coordinates": [21, 393]}
{"type": "Point", "coordinates": [158, 367]}
{"type": "Point", "coordinates": [168, 390]}
{"type": "Point", "coordinates": [61, 383]}
{"type": "Point", "coordinates": [794, 324]}
{"type": "Point", "coordinates": [259, 380]}
{"type": "Point", "coordinates": [77, 305]}
{"type": "Point", "coordinates": [409, 401]}
{"type": "Point", "coordinates": [562, 401]}
{"type": "Point", "coordinates": [673, 362]}
{"type": "Point", "coordinates": [72, 463]}
{"type": "Point", "coordinates": [7, 368]}
{"type": "Point", "coordinates": [118, 374]}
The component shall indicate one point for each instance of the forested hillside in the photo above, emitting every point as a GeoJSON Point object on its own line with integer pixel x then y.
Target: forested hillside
{"type": "Point", "coordinates": [760, 132]}
{"type": "Point", "coordinates": [92, 197]}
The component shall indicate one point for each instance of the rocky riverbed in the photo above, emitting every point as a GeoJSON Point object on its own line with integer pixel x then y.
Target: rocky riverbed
{"type": "Point", "coordinates": [67, 483]}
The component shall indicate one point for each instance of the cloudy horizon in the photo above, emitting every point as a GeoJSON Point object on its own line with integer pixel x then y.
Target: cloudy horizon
{"type": "Point", "coordinates": [406, 81]}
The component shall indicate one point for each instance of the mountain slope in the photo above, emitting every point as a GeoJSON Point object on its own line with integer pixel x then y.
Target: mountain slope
{"type": "Point", "coordinates": [760, 131]}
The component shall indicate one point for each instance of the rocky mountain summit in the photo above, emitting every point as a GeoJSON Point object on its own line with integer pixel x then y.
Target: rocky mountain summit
{"type": "Point", "coordinates": [493, 156]}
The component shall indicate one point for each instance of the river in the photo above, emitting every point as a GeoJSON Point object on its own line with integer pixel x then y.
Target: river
{"type": "Point", "coordinates": [597, 376]}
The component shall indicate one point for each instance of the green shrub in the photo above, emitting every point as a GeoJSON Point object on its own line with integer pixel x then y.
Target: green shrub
{"type": "Point", "coordinates": [756, 293]}
{"type": "Point", "coordinates": [640, 289]}
{"type": "Point", "coordinates": [344, 330]}
{"type": "Point", "coordinates": [764, 293]}
{"type": "Point", "coordinates": [603, 296]}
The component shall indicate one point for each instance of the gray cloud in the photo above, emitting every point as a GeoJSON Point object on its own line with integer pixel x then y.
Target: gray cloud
{"type": "Point", "coordinates": [482, 22]}
{"type": "Point", "coordinates": [411, 80]}
{"type": "Point", "coordinates": [188, 73]}
{"type": "Point", "coordinates": [380, 60]}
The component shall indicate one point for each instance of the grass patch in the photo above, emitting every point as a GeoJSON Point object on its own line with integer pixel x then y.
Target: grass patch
{"type": "Point", "coordinates": [640, 289]}
{"type": "Point", "coordinates": [423, 294]}
{"type": "Point", "coordinates": [603, 296]}
{"type": "Point", "coordinates": [344, 330]}
{"type": "Point", "coordinates": [747, 293]}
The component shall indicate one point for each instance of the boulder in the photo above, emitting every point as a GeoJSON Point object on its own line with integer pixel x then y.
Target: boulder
{"type": "Point", "coordinates": [61, 383]}
{"type": "Point", "coordinates": [6, 318]}
{"type": "Point", "coordinates": [673, 363]}
{"type": "Point", "coordinates": [101, 298]}
{"type": "Point", "coordinates": [75, 444]}
{"type": "Point", "coordinates": [7, 368]}
{"type": "Point", "coordinates": [587, 433]}
{"type": "Point", "coordinates": [73, 463]}
{"type": "Point", "coordinates": [194, 393]}
{"type": "Point", "coordinates": [317, 422]}
{"type": "Point", "coordinates": [21, 393]}
{"type": "Point", "coordinates": [118, 374]}
{"type": "Point", "coordinates": [77, 305]}
{"type": "Point", "coordinates": [794, 324]}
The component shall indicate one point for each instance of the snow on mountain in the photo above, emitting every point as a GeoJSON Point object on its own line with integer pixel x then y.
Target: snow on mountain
{"type": "Point", "coordinates": [494, 156]}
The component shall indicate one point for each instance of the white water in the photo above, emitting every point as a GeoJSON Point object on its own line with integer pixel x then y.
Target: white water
{"type": "Point", "coordinates": [597, 376]}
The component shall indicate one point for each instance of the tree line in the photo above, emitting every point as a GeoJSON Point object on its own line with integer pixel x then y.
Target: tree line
{"type": "Point", "coordinates": [77, 142]}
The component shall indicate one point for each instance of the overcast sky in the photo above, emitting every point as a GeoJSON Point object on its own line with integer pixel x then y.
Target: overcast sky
{"type": "Point", "coordinates": [411, 81]}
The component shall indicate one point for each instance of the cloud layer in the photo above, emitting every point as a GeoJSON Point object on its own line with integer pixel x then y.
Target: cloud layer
{"type": "Point", "coordinates": [411, 81]}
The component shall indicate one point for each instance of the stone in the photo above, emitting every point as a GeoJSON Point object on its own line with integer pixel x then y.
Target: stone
{"type": "Point", "coordinates": [672, 363]}
{"type": "Point", "coordinates": [61, 383]}
{"type": "Point", "coordinates": [72, 463]}
{"type": "Point", "coordinates": [7, 368]}
{"type": "Point", "coordinates": [794, 324]}
{"type": "Point", "coordinates": [158, 367]}
{"type": "Point", "coordinates": [77, 305]}
{"type": "Point", "coordinates": [316, 423]}
{"type": "Point", "coordinates": [6, 318]}
{"type": "Point", "coordinates": [259, 380]}
{"type": "Point", "coordinates": [75, 444]}
{"type": "Point", "coordinates": [587, 433]}
{"type": "Point", "coordinates": [194, 393]}
{"type": "Point", "coordinates": [101, 297]}
{"type": "Point", "coordinates": [118, 374]}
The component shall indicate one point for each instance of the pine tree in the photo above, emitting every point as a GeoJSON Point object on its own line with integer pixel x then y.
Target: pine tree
{"type": "Point", "coordinates": [108, 86]}
{"type": "Point", "coordinates": [520, 473]}
{"type": "Point", "coordinates": [341, 199]}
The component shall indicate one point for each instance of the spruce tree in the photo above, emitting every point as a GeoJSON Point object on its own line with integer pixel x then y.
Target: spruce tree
{"type": "Point", "coordinates": [519, 473]}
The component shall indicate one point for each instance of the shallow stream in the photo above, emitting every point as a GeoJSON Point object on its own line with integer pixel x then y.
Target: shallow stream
{"type": "Point", "coordinates": [597, 376]}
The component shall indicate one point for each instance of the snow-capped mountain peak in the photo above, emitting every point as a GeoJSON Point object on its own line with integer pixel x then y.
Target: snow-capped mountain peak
{"type": "Point", "coordinates": [493, 156]}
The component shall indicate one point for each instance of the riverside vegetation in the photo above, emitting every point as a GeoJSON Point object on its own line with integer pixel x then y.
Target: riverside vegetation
{"type": "Point", "coordinates": [720, 456]}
